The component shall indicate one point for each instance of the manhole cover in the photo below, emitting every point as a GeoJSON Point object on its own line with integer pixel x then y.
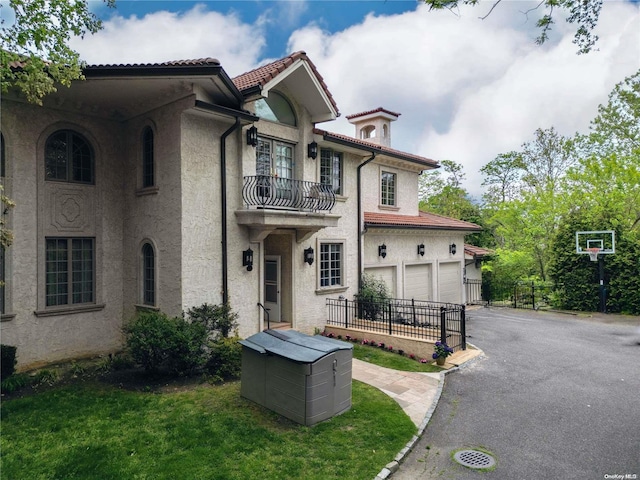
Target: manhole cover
{"type": "Point", "coordinates": [474, 459]}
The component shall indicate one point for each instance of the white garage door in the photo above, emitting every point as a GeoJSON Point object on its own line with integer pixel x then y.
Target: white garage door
{"type": "Point", "coordinates": [417, 282]}
{"type": "Point", "coordinates": [387, 275]}
{"type": "Point", "coordinates": [450, 283]}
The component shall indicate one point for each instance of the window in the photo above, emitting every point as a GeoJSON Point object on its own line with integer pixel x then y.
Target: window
{"type": "Point", "coordinates": [148, 275]}
{"type": "Point", "coordinates": [331, 264]}
{"type": "Point", "coordinates": [388, 188]}
{"type": "Point", "coordinates": [70, 271]}
{"type": "Point", "coordinates": [331, 169]}
{"type": "Point", "coordinates": [147, 158]}
{"type": "Point", "coordinates": [276, 108]}
{"type": "Point", "coordinates": [68, 158]}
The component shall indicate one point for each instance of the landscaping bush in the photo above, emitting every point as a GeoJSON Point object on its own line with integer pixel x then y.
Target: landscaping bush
{"type": "Point", "coordinates": [372, 298]}
{"type": "Point", "coordinates": [218, 320]}
{"type": "Point", "coordinates": [225, 360]}
{"type": "Point", "coordinates": [8, 360]}
{"type": "Point", "coordinates": [156, 340]}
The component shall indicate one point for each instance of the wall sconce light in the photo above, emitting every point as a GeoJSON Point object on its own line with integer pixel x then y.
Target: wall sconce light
{"type": "Point", "coordinates": [382, 250]}
{"type": "Point", "coordinates": [252, 136]}
{"type": "Point", "coordinates": [421, 249]}
{"type": "Point", "coordinates": [247, 259]}
{"type": "Point", "coordinates": [308, 255]}
{"type": "Point", "coordinates": [312, 150]}
{"type": "Point", "coordinates": [452, 249]}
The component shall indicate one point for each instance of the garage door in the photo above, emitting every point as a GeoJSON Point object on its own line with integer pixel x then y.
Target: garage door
{"type": "Point", "coordinates": [417, 282]}
{"type": "Point", "coordinates": [387, 275]}
{"type": "Point", "coordinates": [450, 283]}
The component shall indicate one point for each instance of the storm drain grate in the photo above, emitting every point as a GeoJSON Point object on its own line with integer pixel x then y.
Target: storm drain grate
{"type": "Point", "coordinates": [474, 459]}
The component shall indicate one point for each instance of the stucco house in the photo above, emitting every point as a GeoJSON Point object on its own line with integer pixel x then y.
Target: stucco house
{"type": "Point", "coordinates": [165, 186]}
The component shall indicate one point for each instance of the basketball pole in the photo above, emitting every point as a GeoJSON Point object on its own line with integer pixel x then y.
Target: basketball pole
{"type": "Point", "coordinates": [603, 292]}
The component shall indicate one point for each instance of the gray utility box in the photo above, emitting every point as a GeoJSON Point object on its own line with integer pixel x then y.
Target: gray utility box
{"type": "Point", "coordinates": [304, 378]}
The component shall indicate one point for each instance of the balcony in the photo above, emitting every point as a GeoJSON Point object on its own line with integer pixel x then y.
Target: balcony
{"type": "Point", "coordinates": [263, 191]}
{"type": "Point", "coordinates": [272, 203]}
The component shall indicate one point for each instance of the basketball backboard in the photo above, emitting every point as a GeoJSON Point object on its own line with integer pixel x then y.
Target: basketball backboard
{"type": "Point", "coordinates": [605, 240]}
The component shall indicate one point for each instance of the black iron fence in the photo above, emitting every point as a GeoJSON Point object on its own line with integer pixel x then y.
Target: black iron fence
{"type": "Point", "coordinates": [526, 295]}
{"type": "Point", "coordinates": [473, 289]}
{"type": "Point", "coordinates": [425, 320]}
{"type": "Point", "coordinates": [273, 192]}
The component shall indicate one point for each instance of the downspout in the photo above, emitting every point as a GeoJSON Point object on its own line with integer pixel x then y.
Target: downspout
{"type": "Point", "coordinates": [359, 237]}
{"type": "Point", "coordinates": [223, 203]}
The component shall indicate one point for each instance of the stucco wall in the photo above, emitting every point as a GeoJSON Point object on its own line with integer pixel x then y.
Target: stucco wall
{"type": "Point", "coordinates": [154, 214]}
{"type": "Point", "coordinates": [406, 189]}
{"type": "Point", "coordinates": [41, 338]}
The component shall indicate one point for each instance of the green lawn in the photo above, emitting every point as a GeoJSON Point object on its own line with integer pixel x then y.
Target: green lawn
{"type": "Point", "coordinates": [91, 430]}
{"type": "Point", "coordinates": [387, 359]}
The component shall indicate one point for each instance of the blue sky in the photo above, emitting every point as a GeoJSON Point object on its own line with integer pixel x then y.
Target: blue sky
{"type": "Point", "coordinates": [332, 16]}
{"type": "Point", "coordinates": [467, 89]}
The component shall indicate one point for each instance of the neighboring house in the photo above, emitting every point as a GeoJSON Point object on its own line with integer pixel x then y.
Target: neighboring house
{"type": "Point", "coordinates": [165, 186]}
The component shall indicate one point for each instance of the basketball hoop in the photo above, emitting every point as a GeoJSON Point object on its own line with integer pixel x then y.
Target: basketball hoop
{"type": "Point", "coordinates": [593, 253]}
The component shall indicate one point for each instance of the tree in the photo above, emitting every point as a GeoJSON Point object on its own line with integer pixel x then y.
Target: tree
{"type": "Point", "coordinates": [35, 56]}
{"type": "Point", "coordinates": [583, 13]}
{"type": "Point", "coordinates": [617, 126]}
{"type": "Point", "coordinates": [502, 177]}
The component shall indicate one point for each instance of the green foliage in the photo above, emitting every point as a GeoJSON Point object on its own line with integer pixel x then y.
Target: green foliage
{"type": "Point", "coordinates": [372, 298]}
{"type": "Point", "coordinates": [583, 13]}
{"type": "Point", "coordinates": [35, 55]}
{"type": "Point", "coordinates": [14, 382]}
{"type": "Point", "coordinates": [45, 377]}
{"type": "Point", "coordinates": [6, 235]}
{"type": "Point", "coordinates": [218, 320]}
{"type": "Point", "coordinates": [8, 360]}
{"type": "Point", "coordinates": [155, 340]}
{"type": "Point", "coordinates": [578, 277]}
{"type": "Point", "coordinates": [225, 358]}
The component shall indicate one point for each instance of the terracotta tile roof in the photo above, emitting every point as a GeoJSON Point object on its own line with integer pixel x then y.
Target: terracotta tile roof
{"type": "Point", "coordinates": [262, 75]}
{"type": "Point", "coordinates": [198, 62]}
{"type": "Point", "coordinates": [424, 220]}
{"type": "Point", "coordinates": [476, 251]}
{"type": "Point", "coordinates": [379, 109]}
{"type": "Point", "coordinates": [366, 145]}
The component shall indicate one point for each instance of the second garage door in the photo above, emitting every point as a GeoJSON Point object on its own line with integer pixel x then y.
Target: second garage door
{"type": "Point", "coordinates": [418, 283]}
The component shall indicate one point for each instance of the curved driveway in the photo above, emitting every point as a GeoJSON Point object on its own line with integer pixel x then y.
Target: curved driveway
{"type": "Point", "coordinates": [556, 397]}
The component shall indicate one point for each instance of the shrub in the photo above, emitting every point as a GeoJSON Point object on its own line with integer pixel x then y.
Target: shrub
{"type": "Point", "coordinates": [218, 320]}
{"type": "Point", "coordinates": [8, 360]}
{"type": "Point", "coordinates": [14, 382]}
{"type": "Point", "coordinates": [372, 298]}
{"type": "Point", "coordinates": [225, 360]}
{"type": "Point", "coordinates": [156, 340]}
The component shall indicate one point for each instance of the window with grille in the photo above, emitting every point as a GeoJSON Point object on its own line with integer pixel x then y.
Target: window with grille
{"type": "Point", "coordinates": [148, 275]}
{"type": "Point", "coordinates": [331, 169]}
{"type": "Point", "coordinates": [331, 264]}
{"type": "Point", "coordinates": [388, 189]}
{"type": "Point", "coordinates": [69, 158]}
{"type": "Point", "coordinates": [70, 271]}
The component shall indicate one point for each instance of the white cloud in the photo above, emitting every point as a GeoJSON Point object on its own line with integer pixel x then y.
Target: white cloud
{"type": "Point", "coordinates": [469, 89]}
{"type": "Point", "coordinates": [164, 36]}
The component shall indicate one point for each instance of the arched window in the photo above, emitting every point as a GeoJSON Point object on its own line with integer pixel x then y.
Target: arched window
{"type": "Point", "coordinates": [385, 131]}
{"type": "Point", "coordinates": [147, 158]}
{"type": "Point", "coordinates": [276, 108]}
{"type": "Point", "coordinates": [68, 157]}
{"type": "Point", "coordinates": [368, 132]}
{"type": "Point", "coordinates": [148, 275]}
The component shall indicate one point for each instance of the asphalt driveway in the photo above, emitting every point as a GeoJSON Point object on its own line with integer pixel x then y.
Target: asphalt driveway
{"type": "Point", "coordinates": [556, 396]}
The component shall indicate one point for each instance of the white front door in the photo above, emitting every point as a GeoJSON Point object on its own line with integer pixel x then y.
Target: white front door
{"type": "Point", "coordinates": [272, 286]}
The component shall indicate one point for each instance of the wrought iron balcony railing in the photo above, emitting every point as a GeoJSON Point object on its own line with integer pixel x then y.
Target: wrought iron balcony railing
{"type": "Point", "coordinates": [265, 191]}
